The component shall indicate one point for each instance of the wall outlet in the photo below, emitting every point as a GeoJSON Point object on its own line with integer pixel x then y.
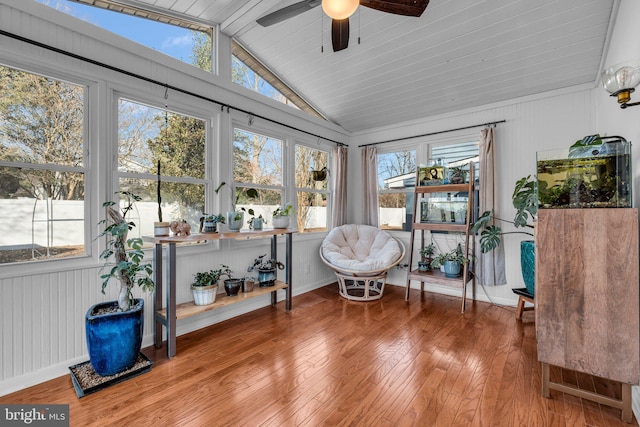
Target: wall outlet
{"type": "Point", "coordinates": [307, 269]}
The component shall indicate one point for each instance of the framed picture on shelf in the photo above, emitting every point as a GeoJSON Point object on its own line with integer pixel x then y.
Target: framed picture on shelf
{"type": "Point", "coordinates": [431, 175]}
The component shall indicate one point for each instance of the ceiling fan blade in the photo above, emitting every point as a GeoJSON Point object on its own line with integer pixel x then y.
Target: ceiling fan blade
{"type": "Point", "coordinates": [398, 7]}
{"type": "Point", "coordinates": [287, 12]}
{"type": "Point", "coordinates": [339, 34]}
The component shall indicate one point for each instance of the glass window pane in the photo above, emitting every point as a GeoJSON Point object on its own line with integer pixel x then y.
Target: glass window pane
{"type": "Point", "coordinates": [396, 210]}
{"type": "Point", "coordinates": [176, 39]}
{"type": "Point", "coordinates": [396, 170]}
{"type": "Point", "coordinates": [41, 119]}
{"type": "Point", "coordinates": [179, 201]}
{"type": "Point", "coordinates": [257, 158]}
{"type": "Point", "coordinates": [266, 202]}
{"type": "Point", "coordinates": [312, 211]}
{"type": "Point", "coordinates": [147, 135]}
{"type": "Point", "coordinates": [308, 160]}
{"type": "Point", "coordinates": [43, 214]}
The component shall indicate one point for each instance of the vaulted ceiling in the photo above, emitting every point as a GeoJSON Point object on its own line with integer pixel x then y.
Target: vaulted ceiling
{"type": "Point", "coordinates": [458, 54]}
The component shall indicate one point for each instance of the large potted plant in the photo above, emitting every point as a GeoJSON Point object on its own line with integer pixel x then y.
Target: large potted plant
{"type": "Point", "coordinates": [114, 329]}
{"type": "Point", "coordinates": [525, 201]}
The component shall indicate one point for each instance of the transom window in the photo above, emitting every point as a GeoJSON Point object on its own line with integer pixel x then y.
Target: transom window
{"type": "Point", "coordinates": [43, 170]}
{"type": "Point", "coordinates": [187, 41]}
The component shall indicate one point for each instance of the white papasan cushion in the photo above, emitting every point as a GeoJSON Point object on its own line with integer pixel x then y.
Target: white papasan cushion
{"type": "Point", "coordinates": [359, 247]}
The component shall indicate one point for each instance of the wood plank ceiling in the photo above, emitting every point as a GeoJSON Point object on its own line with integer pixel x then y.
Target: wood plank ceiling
{"type": "Point", "coordinates": [458, 54]}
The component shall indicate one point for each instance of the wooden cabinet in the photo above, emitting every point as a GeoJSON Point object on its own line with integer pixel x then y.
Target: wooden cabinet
{"type": "Point", "coordinates": [454, 220]}
{"type": "Point", "coordinates": [168, 315]}
{"type": "Point", "coordinates": [587, 298]}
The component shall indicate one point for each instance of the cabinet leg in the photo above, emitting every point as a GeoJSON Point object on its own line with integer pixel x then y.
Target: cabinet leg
{"type": "Point", "coordinates": [627, 414]}
{"type": "Point", "coordinates": [545, 380]}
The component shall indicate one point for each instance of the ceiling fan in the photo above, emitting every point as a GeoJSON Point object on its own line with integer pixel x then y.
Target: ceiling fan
{"type": "Point", "coordinates": [340, 10]}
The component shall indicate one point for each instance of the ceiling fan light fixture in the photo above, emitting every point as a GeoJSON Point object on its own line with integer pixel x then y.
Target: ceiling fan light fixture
{"type": "Point", "coordinates": [339, 9]}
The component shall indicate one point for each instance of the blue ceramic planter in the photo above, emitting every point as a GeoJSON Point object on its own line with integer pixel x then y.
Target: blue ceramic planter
{"type": "Point", "coordinates": [267, 277]}
{"type": "Point", "coordinates": [527, 262]}
{"type": "Point", "coordinates": [114, 339]}
{"type": "Point", "coordinates": [451, 268]}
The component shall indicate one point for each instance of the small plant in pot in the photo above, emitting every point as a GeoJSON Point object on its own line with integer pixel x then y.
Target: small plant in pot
{"type": "Point", "coordinates": [205, 286]}
{"type": "Point", "coordinates": [426, 256]}
{"type": "Point", "coordinates": [232, 285]}
{"type": "Point", "coordinates": [451, 262]}
{"type": "Point", "coordinates": [281, 216]}
{"type": "Point", "coordinates": [114, 329]}
{"type": "Point", "coordinates": [266, 269]}
{"type": "Point", "coordinates": [160, 227]}
{"type": "Point", "coordinates": [235, 217]}
{"type": "Point", "coordinates": [209, 222]}
{"type": "Point", "coordinates": [255, 222]}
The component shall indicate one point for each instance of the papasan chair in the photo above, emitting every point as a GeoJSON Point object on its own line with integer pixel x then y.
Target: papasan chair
{"type": "Point", "coordinates": [361, 256]}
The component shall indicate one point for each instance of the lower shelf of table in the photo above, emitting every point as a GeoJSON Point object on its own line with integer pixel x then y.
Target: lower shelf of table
{"type": "Point", "coordinates": [189, 309]}
{"type": "Point", "coordinates": [438, 277]}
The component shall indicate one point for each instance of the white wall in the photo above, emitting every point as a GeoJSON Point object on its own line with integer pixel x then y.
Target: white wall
{"type": "Point", "coordinates": [610, 119]}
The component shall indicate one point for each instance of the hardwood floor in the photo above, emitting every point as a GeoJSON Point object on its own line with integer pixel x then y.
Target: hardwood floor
{"type": "Point", "coordinates": [333, 362]}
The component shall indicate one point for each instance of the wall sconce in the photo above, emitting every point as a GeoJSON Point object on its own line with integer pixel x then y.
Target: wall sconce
{"type": "Point", "coordinates": [620, 80]}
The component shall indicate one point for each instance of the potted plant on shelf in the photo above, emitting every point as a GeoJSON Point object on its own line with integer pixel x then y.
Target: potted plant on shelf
{"type": "Point", "coordinates": [255, 222]}
{"type": "Point", "coordinates": [266, 269]}
{"type": "Point", "coordinates": [232, 284]}
{"type": "Point", "coordinates": [114, 329]}
{"type": "Point", "coordinates": [235, 217]}
{"type": "Point", "coordinates": [205, 286]}
{"type": "Point", "coordinates": [281, 216]}
{"type": "Point", "coordinates": [426, 256]}
{"type": "Point", "coordinates": [451, 262]}
{"type": "Point", "coordinates": [209, 222]}
{"type": "Point", "coordinates": [160, 228]}
{"type": "Point", "coordinates": [525, 201]}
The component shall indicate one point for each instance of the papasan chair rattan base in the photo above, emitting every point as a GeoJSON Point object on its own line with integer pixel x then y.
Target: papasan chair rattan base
{"type": "Point", "coordinates": [361, 256]}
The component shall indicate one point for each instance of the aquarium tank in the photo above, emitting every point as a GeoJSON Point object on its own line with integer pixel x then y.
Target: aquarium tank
{"type": "Point", "coordinates": [595, 172]}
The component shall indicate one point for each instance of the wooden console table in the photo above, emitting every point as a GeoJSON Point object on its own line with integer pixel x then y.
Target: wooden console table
{"type": "Point", "coordinates": [171, 312]}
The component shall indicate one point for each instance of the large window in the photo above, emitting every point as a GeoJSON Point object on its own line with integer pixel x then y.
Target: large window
{"type": "Point", "coordinates": [311, 178]}
{"type": "Point", "coordinates": [257, 164]}
{"type": "Point", "coordinates": [42, 167]}
{"type": "Point", "coordinates": [187, 41]}
{"type": "Point", "coordinates": [396, 181]}
{"type": "Point", "coordinates": [160, 147]}
{"type": "Point", "coordinates": [397, 177]}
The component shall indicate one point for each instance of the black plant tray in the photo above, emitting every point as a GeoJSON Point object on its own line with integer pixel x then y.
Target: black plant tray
{"type": "Point", "coordinates": [86, 380]}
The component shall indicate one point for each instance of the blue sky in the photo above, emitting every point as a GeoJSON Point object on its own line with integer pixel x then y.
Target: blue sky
{"type": "Point", "coordinates": [169, 39]}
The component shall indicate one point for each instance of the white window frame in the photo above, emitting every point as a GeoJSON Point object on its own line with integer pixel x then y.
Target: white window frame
{"type": "Point", "coordinates": [423, 147]}
{"type": "Point", "coordinates": [90, 101]}
{"type": "Point", "coordinates": [330, 178]}
{"type": "Point", "coordinates": [178, 104]}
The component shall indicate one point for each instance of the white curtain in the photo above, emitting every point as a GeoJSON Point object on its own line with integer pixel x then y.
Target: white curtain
{"type": "Point", "coordinates": [490, 266]}
{"type": "Point", "coordinates": [339, 207]}
{"type": "Point", "coordinates": [370, 183]}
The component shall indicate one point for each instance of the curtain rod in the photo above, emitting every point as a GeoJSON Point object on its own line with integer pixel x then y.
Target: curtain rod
{"type": "Point", "coordinates": [434, 133]}
{"type": "Point", "coordinates": [159, 83]}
